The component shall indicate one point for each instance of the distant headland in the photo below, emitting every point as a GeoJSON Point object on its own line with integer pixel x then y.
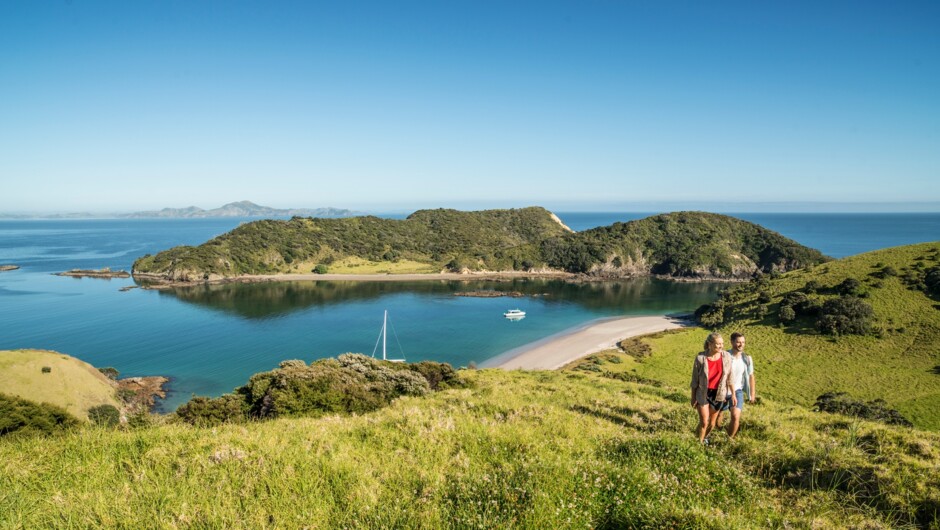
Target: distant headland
{"type": "Point", "coordinates": [232, 209]}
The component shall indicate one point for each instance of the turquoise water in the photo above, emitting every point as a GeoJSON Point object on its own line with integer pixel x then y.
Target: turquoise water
{"type": "Point", "coordinates": [209, 340]}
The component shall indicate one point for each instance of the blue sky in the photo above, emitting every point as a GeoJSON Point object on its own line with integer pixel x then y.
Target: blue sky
{"type": "Point", "coordinates": [591, 105]}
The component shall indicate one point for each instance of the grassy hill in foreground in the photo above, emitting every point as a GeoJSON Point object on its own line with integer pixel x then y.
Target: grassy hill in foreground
{"type": "Point", "coordinates": [681, 244]}
{"type": "Point", "coordinates": [514, 450]}
{"type": "Point", "coordinates": [70, 383]}
{"type": "Point", "coordinates": [897, 361]}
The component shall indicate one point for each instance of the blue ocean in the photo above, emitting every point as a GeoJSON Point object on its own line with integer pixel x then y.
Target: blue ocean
{"type": "Point", "coordinates": [210, 339]}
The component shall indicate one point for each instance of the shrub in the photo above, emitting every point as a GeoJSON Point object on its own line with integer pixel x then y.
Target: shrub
{"type": "Point", "coordinates": [845, 315]}
{"type": "Point", "coordinates": [321, 269]}
{"type": "Point", "coordinates": [812, 287]}
{"type": "Point", "coordinates": [351, 383]}
{"type": "Point", "coordinates": [849, 287]}
{"type": "Point", "coordinates": [763, 297]}
{"type": "Point", "coordinates": [842, 403]}
{"type": "Point", "coordinates": [104, 415]}
{"type": "Point", "coordinates": [802, 305]}
{"type": "Point", "coordinates": [20, 416]}
{"type": "Point", "coordinates": [711, 315]}
{"type": "Point", "coordinates": [438, 375]}
{"type": "Point", "coordinates": [110, 372]}
{"type": "Point", "coordinates": [932, 281]}
{"type": "Point", "coordinates": [208, 412]}
{"type": "Point", "coordinates": [786, 314]}
{"type": "Point", "coordinates": [46, 369]}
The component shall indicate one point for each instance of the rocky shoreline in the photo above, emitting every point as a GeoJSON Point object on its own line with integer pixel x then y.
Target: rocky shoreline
{"type": "Point", "coordinates": [141, 393]}
{"type": "Point", "coordinates": [95, 273]}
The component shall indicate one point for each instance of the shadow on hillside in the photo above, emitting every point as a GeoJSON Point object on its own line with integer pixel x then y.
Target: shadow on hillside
{"type": "Point", "coordinates": [623, 416]}
{"type": "Point", "coordinates": [935, 370]}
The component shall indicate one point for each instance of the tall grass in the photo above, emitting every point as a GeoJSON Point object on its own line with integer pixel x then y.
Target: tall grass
{"type": "Point", "coordinates": [517, 450]}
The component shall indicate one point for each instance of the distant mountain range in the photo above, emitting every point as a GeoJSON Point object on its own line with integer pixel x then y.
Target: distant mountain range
{"type": "Point", "coordinates": [233, 209]}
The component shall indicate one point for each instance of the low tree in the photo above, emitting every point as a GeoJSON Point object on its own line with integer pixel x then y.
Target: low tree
{"type": "Point", "coordinates": [845, 315]}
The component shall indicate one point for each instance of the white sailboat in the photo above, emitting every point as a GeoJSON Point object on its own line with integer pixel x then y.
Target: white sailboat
{"type": "Point", "coordinates": [382, 337]}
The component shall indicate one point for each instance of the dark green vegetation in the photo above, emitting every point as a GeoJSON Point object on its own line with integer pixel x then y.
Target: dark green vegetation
{"type": "Point", "coordinates": [351, 383]}
{"type": "Point", "coordinates": [104, 415]}
{"type": "Point", "coordinates": [877, 410]}
{"type": "Point", "coordinates": [23, 417]}
{"type": "Point", "coordinates": [684, 244]}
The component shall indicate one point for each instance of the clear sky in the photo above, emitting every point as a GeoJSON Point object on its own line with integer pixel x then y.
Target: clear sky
{"type": "Point", "coordinates": [120, 106]}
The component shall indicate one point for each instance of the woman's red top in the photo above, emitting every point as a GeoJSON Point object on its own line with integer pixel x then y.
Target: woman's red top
{"type": "Point", "coordinates": [714, 373]}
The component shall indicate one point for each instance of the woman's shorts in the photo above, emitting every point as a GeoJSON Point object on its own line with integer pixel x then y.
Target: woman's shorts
{"type": "Point", "coordinates": [712, 397]}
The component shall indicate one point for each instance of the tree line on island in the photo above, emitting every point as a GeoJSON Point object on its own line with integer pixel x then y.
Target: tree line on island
{"type": "Point", "coordinates": [679, 245]}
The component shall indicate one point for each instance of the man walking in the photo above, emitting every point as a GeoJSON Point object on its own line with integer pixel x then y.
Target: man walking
{"type": "Point", "coordinates": [742, 380]}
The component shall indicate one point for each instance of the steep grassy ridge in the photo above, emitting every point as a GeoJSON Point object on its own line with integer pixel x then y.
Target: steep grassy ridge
{"type": "Point", "coordinates": [70, 383]}
{"type": "Point", "coordinates": [684, 244]}
{"type": "Point", "coordinates": [899, 361]}
{"type": "Point", "coordinates": [515, 450]}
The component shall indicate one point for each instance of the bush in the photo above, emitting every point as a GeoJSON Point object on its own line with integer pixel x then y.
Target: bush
{"type": "Point", "coordinates": [20, 416]}
{"type": "Point", "coordinates": [711, 315]}
{"type": "Point", "coordinates": [209, 412]}
{"type": "Point", "coordinates": [46, 369]}
{"type": "Point", "coordinates": [763, 297]}
{"type": "Point", "coordinates": [932, 281]}
{"type": "Point", "coordinates": [849, 287]}
{"type": "Point", "coordinates": [845, 315]}
{"type": "Point", "coordinates": [110, 372]}
{"type": "Point", "coordinates": [842, 403]}
{"type": "Point", "coordinates": [104, 415]}
{"type": "Point", "coordinates": [321, 269]}
{"type": "Point", "coordinates": [812, 287]}
{"type": "Point", "coordinates": [438, 375]}
{"type": "Point", "coordinates": [351, 383]}
{"type": "Point", "coordinates": [786, 314]}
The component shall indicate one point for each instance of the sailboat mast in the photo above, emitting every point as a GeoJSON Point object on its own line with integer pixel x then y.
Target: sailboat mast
{"type": "Point", "coordinates": [384, 324]}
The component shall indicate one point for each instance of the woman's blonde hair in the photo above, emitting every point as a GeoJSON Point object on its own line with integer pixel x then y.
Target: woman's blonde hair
{"type": "Point", "coordinates": [711, 339]}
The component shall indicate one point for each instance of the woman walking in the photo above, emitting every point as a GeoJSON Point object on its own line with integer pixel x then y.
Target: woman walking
{"type": "Point", "coordinates": [711, 384]}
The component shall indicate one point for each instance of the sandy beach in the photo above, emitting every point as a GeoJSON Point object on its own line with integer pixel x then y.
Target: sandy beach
{"type": "Point", "coordinates": [440, 276]}
{"type": "Point", "coordinates": [556, 351]}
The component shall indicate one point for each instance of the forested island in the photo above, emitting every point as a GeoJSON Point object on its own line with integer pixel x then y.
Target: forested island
{"type": "Point", "coordinates": [679, 245]}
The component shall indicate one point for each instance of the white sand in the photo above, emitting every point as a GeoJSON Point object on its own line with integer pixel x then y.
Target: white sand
{"type": "Point", "coordinates": [558, 350]}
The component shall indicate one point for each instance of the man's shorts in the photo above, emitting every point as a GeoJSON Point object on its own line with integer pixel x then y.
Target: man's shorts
{"type": "Point", "coordinates": [739, 394]}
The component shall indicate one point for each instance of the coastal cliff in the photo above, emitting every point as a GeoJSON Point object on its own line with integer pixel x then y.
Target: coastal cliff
{"type": "Point", "coordinates": [680, 245]}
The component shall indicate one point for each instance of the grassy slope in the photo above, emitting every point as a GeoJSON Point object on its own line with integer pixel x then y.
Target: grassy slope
{"type": "Point", "coordinates": [72, 384]}
{"type": "Point", "coordinates": [898, 367]}
{"type": "Point", "coordinates": [536, 450]}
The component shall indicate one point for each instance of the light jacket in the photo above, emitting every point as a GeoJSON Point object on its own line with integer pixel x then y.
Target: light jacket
{"type": "Point", "coordinates": [700, 377]}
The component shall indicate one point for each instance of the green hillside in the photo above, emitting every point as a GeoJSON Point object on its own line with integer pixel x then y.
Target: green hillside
{"type": "Point", "coordinates": [74, 385]}
{"type": "Point", "coordinates": [493, 239]}
{"type": "Point", "coordinates": [683, 244]}
{"type": "Point", "coordinates": [693, 244]}
{"type": "Point", "coordinates": [513, 450]}
{"type": "Point", "coordinates": [897, 359]}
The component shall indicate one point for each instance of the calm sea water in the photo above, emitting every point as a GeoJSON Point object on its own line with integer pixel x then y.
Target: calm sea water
{"type": "Point", "coordinates": [209, 340]}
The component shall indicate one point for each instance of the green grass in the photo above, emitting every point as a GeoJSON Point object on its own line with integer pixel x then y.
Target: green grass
{"type": "Point", "coordinates": [356, 265]}
{"type": "Point", "coordinates": [71, 384]}
{"type": "Point", "coordinates": [515, 450]}
{"type": "Point", "coordinates": [797, 365]}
